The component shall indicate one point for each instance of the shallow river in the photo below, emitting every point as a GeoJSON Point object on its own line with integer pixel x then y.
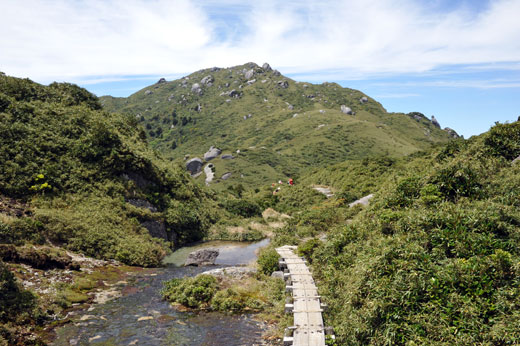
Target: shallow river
{"type": "Point", "coordinates": [117, 322]}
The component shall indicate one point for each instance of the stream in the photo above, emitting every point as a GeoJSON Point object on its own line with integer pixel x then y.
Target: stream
{"type": "Point", "coordinates": [141, 317]}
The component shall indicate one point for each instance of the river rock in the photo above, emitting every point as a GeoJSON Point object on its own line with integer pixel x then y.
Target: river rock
{"type": "Point", "coordinates": [266, 67]}
{"type": "Point", "coordinates": [234, 272]}
{"type": "Point", "coordinates": [346, 110]}
{"type": "Point", "coordinates": [194, 166]}
{"type": "Point", "coordinates": [435, 122]}
{"type": "Point", "coordinates": [202, 257]}
{"type": "Point", "coordinates": [277, 274]}
{"type": "Point", "coordinates": [212, 153]}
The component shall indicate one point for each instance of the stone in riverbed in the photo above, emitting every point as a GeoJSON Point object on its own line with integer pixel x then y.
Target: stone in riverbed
{"type": "Point", "coordinates": [277, 274]}
{"type": "Point", "coordinates": [202, 257]}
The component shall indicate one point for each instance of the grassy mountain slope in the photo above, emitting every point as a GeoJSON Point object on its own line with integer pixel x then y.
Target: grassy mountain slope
{"type": "Point", "coordinates": [434, 259]}
{"type": "Point", "coordinates": [284, 125]}
{"type": "Point", "coordinates": [91, 182]}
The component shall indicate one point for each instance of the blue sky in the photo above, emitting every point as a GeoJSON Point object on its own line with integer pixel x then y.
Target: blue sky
{"type": "Point", "coordinates": [457, 60]}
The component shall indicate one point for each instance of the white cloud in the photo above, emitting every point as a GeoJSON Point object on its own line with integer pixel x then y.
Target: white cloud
{"type": "Point", "coordinates": [72, 40]}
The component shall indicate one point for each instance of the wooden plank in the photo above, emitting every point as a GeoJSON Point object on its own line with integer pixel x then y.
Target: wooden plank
{"type": "Point", "coordinates": [308, 320]}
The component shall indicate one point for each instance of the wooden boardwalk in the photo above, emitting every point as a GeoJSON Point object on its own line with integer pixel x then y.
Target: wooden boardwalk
{"type": "Point", "coordinates": [308, 329]}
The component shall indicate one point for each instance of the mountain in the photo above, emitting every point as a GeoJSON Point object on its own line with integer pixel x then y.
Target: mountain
{"type": "Point", "coordinates": [273, 126]}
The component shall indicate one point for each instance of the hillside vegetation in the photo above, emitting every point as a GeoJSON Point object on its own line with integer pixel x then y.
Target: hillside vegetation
{"type": "Point", "coordinates": [88, 179]}
{"type": "Point", "coordinates": [434, 259]}
{"type": "Point", "coordinates": [279, 126]}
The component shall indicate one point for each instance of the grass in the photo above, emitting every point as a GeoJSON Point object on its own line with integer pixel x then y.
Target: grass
{"type": "Point", "coordinates": [274, 144]}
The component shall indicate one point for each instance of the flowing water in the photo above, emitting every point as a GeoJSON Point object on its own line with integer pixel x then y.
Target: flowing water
{"type": "Point", "coordinates": [141, 317]}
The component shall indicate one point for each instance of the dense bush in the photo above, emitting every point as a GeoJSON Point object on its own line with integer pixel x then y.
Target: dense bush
{"type": "Point", "coordinates": [242, 207]}
{"type": "Point", "coordinates": [193, 292]}
{"type": "Point", "coordinates": [268, 260]}
{"type": "Point", "coordinates": [434, 258]}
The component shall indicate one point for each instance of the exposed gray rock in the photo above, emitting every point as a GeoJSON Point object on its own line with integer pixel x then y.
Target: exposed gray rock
{"type": "Point", "coordinates": [141, 203]}
{"type": "Point", "coordinates": [212, 153]}
{"type": "Point", "coordinates": [156, 229]}
{"type": "Point", "coordinates": [364, 99]}
{"type": "Point", "coordinates": [290, 107]}
{"type": "Point", "coordinates": [227, 157]}
{"type": "Point", "coordinates": [283, 84]}
{"type": "Point", "coordinates": [148, 92]}
{"type": "Point", "coordinates": [215, 69]}
{"type": "Point", "coordinates": [234, 272]}
{"type": "Point", "coordinates": [266, 67]}
{"type": "Point", "coordinates": [324, 190]}
{"type": "Point", "coordinates": [208, 80]}
{"type": "Point", "coordinates": [194, 165]}
{"type": "Point", "coordinates": [231, 93]}
{"type": "Point", "coordinates": [196, 89]}
{"type": "Point", "coordinates": [276, 73]}
{"type": "Point", "coordinates": [208, 170]}
{"type": "Point", "coordinates": [226, 176]}
{"type": "Point", "coordinates": [346, 110]}
{"type": "Point", "coordinates": [417, 117]}
{"type": "Point", "coordinates": [362, 201]}
{"type": "Point", "coordinates": [161, 81]}
{"type": "Point", "coordinates": [451, 132]}
{"type": "Point", "coordinates": [435, 122]}
{"type": "Point", "coordinates": [322, 111]}
{"type": "Point", "coordinates": [249, 74]}
{"type": "Point", "coordinates": [138, 179]}
{"type": "Point", "coordinates": [517, 160]}
{"type": "Point", "coordinates": [251, 81]}
{"type": "Point", "coordinates": [202, 257]}
{"type": "Point", "coordinates": [277, 274]}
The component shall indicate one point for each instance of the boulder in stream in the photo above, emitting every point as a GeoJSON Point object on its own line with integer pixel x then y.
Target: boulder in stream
{"type": "Point", "coordinates": [202, 257]}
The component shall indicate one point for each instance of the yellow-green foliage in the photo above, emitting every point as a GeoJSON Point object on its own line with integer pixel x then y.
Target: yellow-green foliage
{"type": "Point", "coordinates": [78, 165]}
{"type": "Point", "coordinates": [434, 259]}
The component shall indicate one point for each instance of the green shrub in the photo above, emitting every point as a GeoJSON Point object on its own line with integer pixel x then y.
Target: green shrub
{"type": "Point", "coordinates": [306, 249]}
{"type": "Point", "coordinates": [193, 292]}
{"type": "Point", "coordinates": [242, 207]}
{"type": "Point", "coordinates": [16, 303]}
{"type": "Point", "coordinates": [268, 260]}
{"type": "Point", "coordinates": [504, 140]}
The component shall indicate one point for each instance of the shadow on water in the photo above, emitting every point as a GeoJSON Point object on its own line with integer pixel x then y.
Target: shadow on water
{"type": "Point", "coordinates": [141, 317]}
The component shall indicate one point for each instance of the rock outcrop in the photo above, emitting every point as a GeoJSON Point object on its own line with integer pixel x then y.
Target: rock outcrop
{"type": "Point", "coordinates": [249, 74]}
{"type": "Point", "coordinates": [283, 84]}
{"type": "Point", "coordinates": [346, 110]}
{"type": "Point", "coordinates": [212, 153]}
{"type": "Point", "coordinates": [194, 166]}
{"type": "Point", "coordinates": [361, 201]}
{"type": "Point", "coordinates": [196, 89]}
{"type": "Point", "coordinates": [266, 67]}
{"type": "Point", "coordinates": [208, 80]}
{"type": "Point", "coordinates": [364, 99]}
{"type": "Point", "coordinates": [202, 257]}
{"type": "Point", "coordinates": [141, 203]}
{"type": "Point", "coordinates": [451, 132]}
{"type": "Point", "coordinates": [227, 157]}
{"type": "Point", "coordinates": [435, 122]}
{"type": "Point", "coordinates": [226, 176]}
{"type": "Point", "coordinates": [156, 229]}
{"type": "Point", "coordinates": [161, 81]}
